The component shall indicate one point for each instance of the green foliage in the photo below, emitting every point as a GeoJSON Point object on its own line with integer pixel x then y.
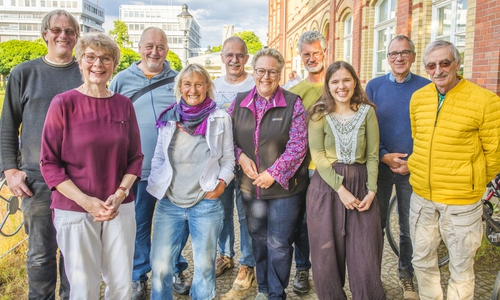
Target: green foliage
{"type": "Point", "coordinates": [14, 52]}
{"type": "Point", "coordinates": [217, 48]}
{"type": "Point", "coordinates": [253, 42]}
{"type": "Point", "coordinates": [127, 57]}
{"type": "Point", "coordinates": [119, 33]}
{"type": "Point", "coordinates": [251, 39]}
{"type": "Point", "coordinates": [174, 60]}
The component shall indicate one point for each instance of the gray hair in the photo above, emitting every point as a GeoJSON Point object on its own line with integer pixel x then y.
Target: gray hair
{"type": "Point", "coordinates": [238, 40]}
{"type": "Point", "coordinates": [187, 71]}
{"type": "Point", "coordinates": [402, 37]}
{"type": "Point", "coordinates": [310, 37]}
{"type": "Point", "coordinates": [441, 44]}
{"type": "Point", "coordinates": [155, 29]}
{"type": "Point", "coordinates": [59, 12]}
{"type": "Point", "coordinates": [98, 41]}
{"type": "Point", "coordinates": [269, 52]}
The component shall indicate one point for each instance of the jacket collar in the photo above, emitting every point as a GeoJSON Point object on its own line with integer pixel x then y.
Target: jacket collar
{"type": "Point", "coordinates": [278, 99]}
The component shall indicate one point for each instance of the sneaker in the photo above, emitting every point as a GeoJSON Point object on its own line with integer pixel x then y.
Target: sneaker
{"type": "Point", "coordinates": [409, 291]}
{"type": "Point", "coordinates": [223, 263]}
{"type": "Point", "coordinates": [301, 282]}
{"type": "Point", "coordinates": [139, 290]}
{"type": "Point", "coordinates": [245, 278]}
{"type": "Point", "coordinates": [261, 296]}
{"type": "Point", "coordinates": [181, 284]}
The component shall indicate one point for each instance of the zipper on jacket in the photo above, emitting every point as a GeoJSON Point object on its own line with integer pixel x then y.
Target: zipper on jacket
{"type": "Point", "coordinates": [430, 156]}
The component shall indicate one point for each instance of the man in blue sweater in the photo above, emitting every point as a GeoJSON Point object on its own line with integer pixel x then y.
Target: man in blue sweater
{"type": "Point", "coordinates": [153, 67]}
{"type": "Point", "coordinates": [392, 93]}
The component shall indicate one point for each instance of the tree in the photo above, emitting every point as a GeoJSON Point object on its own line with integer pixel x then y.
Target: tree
{"type": "Point", "coordinates": [127, 57]}
{"type": "Point", "coordinates": [119, 33]}
{"type": "Point", "coordinates": [251, 39]}
{"type": "Point", "coordinates": [14, 52]}
{"type": "Point", "coordinates": [174, 60]}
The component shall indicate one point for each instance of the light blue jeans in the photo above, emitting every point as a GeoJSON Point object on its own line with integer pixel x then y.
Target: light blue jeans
{"type": "Point", "coordinates": [226, 237]}
{"type": "Point", "coordinates": [204, 222]}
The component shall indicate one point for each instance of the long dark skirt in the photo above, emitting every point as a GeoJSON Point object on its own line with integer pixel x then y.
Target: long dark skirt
{"type": "Point", "coordinates": [338, 236]}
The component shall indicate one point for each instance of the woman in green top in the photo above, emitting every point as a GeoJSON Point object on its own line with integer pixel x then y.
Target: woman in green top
{"type": "Point", "coordinates": [343, 216]}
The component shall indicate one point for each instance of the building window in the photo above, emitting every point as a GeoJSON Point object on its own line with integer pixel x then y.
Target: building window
{"type": "Point", "coordinates": [348, 39]}
{"type": "Point", "coordinates": [385, 14]}
{"type": "Point", "coordinates": [449, 19]}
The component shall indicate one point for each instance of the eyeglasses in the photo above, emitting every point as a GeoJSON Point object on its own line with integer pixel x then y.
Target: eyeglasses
{"type": "Point", "coordinates": [445, 63]}
{"type": "Point", "coordinates": [230, 56]}
{"type": "Point", "coordinates": [67, 31]}
{"type": "Point", "coordinates": [395, 54]}
{"type": "Point", "coordinates": [92, 58]}
{"type": "Point", "coordinates": [262, 72]}
{"type": "Point", "coordinates": [316, 55]}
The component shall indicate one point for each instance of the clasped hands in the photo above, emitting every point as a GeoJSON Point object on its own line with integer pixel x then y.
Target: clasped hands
{"type": "Point", "coordinates": [104, 210]}
{"type": "Point", "coordinates": [351, 202]}
{"type": "Point", "coordinates": [263, 180]}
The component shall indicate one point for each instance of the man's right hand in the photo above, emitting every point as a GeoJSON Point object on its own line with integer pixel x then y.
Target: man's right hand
{"type": "Point", "coordinates": [16, 180]}
{"type": "Point", "coordinates": [390, 159]}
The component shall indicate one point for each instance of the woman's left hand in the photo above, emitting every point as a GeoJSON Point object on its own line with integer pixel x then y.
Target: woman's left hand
{"type": "Point", "coordinates": [264, 180]}
{"type": "Point", "coordinates": [219, 189]}
{"type": "Point", "coordinates": [367, 201]}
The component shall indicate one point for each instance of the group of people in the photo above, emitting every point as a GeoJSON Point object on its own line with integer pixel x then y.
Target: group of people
{"type": "Point", "coordinates": [310, 168]}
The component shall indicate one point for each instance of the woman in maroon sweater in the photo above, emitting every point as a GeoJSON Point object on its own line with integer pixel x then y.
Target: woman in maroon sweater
{"type": "Point", "coordinates": [90, 157]}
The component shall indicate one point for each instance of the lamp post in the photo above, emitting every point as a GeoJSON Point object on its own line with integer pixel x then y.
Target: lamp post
{"type": "Point", "coordinates": [185, 20]}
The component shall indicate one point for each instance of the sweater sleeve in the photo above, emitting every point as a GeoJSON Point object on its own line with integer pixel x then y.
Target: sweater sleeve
{"type": "Point", "coordinates": [372, 149]}
{"type": "Point", "coordinates": [134, 154]}
{"type": "Point", "coordinates": [51, 164]}
{"type": "Point", "coordinates": [319, 155]}
{"type": "Point", "coordinates": [12, 114]}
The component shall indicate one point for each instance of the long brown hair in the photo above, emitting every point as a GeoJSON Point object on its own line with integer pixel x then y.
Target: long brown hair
{"type": "Point", "coordinates": [326, 104]}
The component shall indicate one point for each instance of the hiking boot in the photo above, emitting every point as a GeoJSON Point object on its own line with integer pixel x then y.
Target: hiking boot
{"type": "Point", "coordinates": [409, 291]}
{"type": "Point", "coordinates": [223, 263]}
{"type": "Point", "coordinates": [181, 285]}
{"type": "Point", "coordinates": [301, 282]}
{"type": "Point", "coordinates": [139, 290]}
{"type": "Point", "coordinates": [245, 278]}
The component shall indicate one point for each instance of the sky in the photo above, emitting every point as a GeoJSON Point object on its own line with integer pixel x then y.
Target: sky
{"type": "Point", "coordinates": [211, 15]}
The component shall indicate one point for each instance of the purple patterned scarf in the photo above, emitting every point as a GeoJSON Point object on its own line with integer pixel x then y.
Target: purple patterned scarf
{"type": "Point", "coordinates": [192, 119]}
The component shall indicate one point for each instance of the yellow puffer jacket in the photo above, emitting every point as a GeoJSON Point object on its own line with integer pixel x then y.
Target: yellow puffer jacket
{"type": "Point", "coordinates": [455, 153]}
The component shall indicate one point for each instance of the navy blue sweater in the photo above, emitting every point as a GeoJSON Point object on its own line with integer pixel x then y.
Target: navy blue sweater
{"type": "Point", "coordinates": [393, 114]}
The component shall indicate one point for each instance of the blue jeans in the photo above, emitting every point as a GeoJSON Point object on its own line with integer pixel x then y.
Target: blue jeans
{"type": "Point", "coordinates": [41, 259]}
{"type": "Point", "coordinates": [386, 180]}
{"type": "Point", "coordinates": [301, 242]}
{"type": "Point", "coordinates": [204, 222]}
{"type": "Point", "coordinates": [272, 225]}
{"type": "Point", "coordinates": [144, 210]}
{"type": "Point", "coordinates": [226, 237]}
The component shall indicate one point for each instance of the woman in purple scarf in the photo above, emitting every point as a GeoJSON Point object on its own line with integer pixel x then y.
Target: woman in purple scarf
{"type": "Point", "coordinates": [192, 164]}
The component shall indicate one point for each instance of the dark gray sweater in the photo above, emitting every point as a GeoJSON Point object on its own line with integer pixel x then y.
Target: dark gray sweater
{"type": "Point", "coordinates": [30, 89]}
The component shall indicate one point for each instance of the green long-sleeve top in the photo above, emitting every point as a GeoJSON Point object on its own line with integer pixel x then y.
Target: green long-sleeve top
{"type": "Point", "coordinates": [324, 150]}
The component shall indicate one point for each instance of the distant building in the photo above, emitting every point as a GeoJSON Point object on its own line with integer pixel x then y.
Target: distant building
{"type": "Point", "coordinates": [139, 17]}
{"type": "Point", "coordinates": [20, 19]}
{"type": "Point", "coordinates": [359, 32]}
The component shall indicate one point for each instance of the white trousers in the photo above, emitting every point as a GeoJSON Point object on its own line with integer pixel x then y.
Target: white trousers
{"type": "Point", "coordinates": [90, 248]}
{"type": "Point", "coordinates": [461, 229]}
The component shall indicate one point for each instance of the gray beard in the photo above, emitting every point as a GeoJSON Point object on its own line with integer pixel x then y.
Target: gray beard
{"type": "Point", "coordinates": [316, 69]}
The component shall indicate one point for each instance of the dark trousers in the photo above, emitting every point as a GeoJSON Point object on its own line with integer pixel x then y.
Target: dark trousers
{"type": "Point", "coordinates": [272, 224]}
{"type": "Point", "coordinates": [41, 262]}
{"type": "Point", "coordinates": [386, 180]}
{"type": "Point", "coordinates": [338, 236]}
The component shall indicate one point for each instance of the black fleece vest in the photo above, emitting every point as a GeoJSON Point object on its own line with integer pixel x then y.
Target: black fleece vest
{"type": "Point", "coordinates": [274, 134]}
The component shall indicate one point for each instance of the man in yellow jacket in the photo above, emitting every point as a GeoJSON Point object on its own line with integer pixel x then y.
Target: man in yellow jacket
{"type": "Point", "coordinates": [456, 152]}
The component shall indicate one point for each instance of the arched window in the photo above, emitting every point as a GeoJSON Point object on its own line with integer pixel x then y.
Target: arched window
{"type": "Point", "coordinates": [385, 20]}
{"type": "Point", "coordinates": [348, 39]}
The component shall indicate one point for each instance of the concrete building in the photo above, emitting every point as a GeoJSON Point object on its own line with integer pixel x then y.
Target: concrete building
{"type": "Point", "coordinates": [20, 19]}
{"type": "Point", "coordinates": [359, 32]}
{"type": "Point", "coordinates": [139, 17]}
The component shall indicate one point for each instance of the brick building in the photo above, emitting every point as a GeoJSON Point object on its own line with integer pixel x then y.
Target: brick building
{"type": "Point", "coordinates": [358, 31]}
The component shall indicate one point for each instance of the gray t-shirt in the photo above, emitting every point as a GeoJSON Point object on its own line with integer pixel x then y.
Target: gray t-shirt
{"type": "Point", "coordinates": [188, 156]}
{"type": "Point", "coordinates": [226, 92]}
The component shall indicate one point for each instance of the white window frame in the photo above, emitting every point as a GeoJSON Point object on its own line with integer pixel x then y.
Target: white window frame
{"type": "Point", "coordinates": [452, 36]}
{"type": "Point", "coordinates": [380, 26]}
{"type": "Point", "coordinates": [348, 39]}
